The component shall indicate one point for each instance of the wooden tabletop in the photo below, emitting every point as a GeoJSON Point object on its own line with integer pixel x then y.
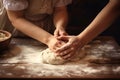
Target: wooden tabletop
{"type": "Point", "coordinates": [22, 60]}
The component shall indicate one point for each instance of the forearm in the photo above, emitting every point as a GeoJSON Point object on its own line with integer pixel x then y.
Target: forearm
{"type": "Point", "coordinates": [29, 28]}
{"type": "Point", "coordinates": [32, 30]}
{"type": "Point", "coordinates": [102, 21]}
{"type": "Point", "coordinates": [61, 18]}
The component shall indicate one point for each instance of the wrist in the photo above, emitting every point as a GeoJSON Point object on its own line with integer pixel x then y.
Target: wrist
{"type": "Point", "coordinates": [47, 41]}
{"type": "Point", "coordinates": [83, 41]}
{"type": "Point", "coordinates": [60, 27]}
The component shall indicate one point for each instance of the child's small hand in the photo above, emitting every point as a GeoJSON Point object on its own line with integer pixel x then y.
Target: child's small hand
{"type": "Point", "coordinates": [54, 44]}
{"type": "Point", "coordinates": [60, 32]}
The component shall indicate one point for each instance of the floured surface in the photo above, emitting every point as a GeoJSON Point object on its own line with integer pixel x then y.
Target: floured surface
{"type": "Point", "coordinates": [49, 57]}
{"type": "Point", "coordinates": [24, 61]}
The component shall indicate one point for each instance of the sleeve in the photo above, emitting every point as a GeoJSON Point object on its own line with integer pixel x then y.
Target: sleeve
{"type": "Point", "coordinates": [62, 3]}
{"type": "Point", "coordinates": [15, 5]}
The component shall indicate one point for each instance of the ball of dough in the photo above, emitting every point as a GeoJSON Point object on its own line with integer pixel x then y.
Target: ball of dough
{"type": "Point", "coordinates": [51, 58]}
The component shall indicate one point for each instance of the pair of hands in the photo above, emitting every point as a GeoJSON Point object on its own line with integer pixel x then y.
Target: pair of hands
{"type": "Point", "coordinates": [64, 45]}
{"type": "Point", "coordinates": [55, 43]}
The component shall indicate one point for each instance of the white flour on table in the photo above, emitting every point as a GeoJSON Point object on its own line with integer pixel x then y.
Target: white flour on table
{"type": "Point", "coordinates": [29, 61]}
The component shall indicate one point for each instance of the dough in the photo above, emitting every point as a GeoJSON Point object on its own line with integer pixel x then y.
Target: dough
{"type": "Point", "coordinates": [51, 58]}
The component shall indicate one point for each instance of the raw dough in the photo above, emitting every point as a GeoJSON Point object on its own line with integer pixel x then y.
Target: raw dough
{"type": "Point", "coordinates": [51, 58]}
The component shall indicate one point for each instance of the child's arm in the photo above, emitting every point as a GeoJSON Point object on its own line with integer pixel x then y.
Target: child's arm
{"type": "Point", "coordinates": [19, 22]}
{"type": "Point", "coordinates": [60, 20]}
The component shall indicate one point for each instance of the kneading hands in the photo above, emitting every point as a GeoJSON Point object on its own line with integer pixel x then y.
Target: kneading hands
{"type": "Point", "coordinates": [102, 21]}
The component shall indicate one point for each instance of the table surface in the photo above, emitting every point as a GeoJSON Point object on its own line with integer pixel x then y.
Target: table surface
{"type": "Point", "coordinates": [22, 60]}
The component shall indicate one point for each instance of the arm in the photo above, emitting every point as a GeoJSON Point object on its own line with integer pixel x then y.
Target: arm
{"type": "Point", "coordinates": [19, 22]}
{"type": "Point", "coordinates": [60, 20]}
{"type": "Point", "coordinates": [102, 21]}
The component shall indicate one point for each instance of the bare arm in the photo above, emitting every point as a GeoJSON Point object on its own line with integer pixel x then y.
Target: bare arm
{"type": "Point", "coordinates": [19, 22]}
{"type": "Point", "coordinates": [102, 21]}
{"type": "Point", "coordinates": [60, 19]}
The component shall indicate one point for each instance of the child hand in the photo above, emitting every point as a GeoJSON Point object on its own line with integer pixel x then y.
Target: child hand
{"type": "Point", "coordinates": [60, 32]}
{"type": "Point", "coordinates": [54, 44]}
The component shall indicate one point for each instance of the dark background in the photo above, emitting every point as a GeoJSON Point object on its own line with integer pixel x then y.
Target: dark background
{"type": "Point", "coordinates": [82, 12]}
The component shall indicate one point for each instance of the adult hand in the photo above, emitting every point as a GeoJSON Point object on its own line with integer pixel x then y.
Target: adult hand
{"type": "Point", "coordinates": [70, 48]}
{"type": "Point", "coordinates": [60, 32]}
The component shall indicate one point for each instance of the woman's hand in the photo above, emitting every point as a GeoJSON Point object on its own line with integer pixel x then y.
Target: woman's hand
{"type": "Point", "coordinates": [70, 48]}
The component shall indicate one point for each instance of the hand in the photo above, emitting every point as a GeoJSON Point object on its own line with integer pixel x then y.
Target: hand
{"type": "Point", "coordinates": [54, 43]}
{"type": "Point", "coordinates": [60, 32]}
{"type": "Point", "coordinates": [70, 48]}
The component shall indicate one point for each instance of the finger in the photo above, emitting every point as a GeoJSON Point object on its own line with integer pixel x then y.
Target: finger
{"type": "Point", "coordinates": [56, 34]}
{"type": "Point", "coordinates": [61, 43]}
{"type": "Point", "coordinates": [63, 48]}
{"type": "Point", "coordinates": [68, 56]}
{"type": "Point", "coordinates": [57, 46]}
{"type": "Point", "coordinates": [66, 52]}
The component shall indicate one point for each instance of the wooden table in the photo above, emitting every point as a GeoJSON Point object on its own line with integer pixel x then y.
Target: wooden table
{"type": "Point", "coordinates": [21, 60]}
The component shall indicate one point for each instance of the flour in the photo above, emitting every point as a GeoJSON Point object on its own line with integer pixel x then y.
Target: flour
{"type": "Point", "coordinates": [27, 59]}
{"type": "Point", "coordinates": [117, 69]}
{"type": "Point", "coordinates": [23, 54]}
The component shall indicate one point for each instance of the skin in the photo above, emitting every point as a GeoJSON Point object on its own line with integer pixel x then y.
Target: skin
{"type": "Point", "coordinates": [60, 21]}
{"type": "Point", "coordinates": [102, 21]}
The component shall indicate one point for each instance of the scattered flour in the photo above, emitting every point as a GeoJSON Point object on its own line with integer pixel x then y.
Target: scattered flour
{"type": "Point", "coordinates": [49, 57]}
{"type": "Point", "coordinates": [27, 59]}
